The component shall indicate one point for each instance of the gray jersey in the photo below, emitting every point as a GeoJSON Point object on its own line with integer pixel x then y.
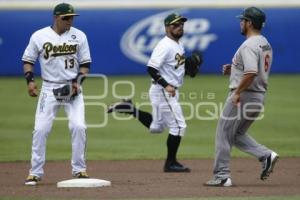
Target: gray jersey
{"type": "Point", "coordinates": [255, 55]}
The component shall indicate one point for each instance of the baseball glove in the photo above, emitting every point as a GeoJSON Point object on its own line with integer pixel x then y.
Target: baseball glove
{"type": "Point", "coordinates": [193, 63]}
{"type": "Point", "coordinates": [64, 93]}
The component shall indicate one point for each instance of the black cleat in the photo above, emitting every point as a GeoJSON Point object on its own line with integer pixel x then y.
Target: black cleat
{"type": "Point", "coordinates": [268, 165]}
{"type": "Point", "coordinates": [175, 167]}
{"type": "Point", "coordinates": [125, 106]}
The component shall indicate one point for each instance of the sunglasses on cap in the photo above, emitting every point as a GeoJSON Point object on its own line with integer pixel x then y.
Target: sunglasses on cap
{"type": "Point", "coordinates": [66, 18]}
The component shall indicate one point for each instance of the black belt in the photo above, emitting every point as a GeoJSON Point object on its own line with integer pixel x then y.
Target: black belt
{"type": "Point", "coordinates": [57, 82]}
{"type": "Point", "coordinates": [154, 83]}
{"type": "Point", "coordinates": [248, 90]}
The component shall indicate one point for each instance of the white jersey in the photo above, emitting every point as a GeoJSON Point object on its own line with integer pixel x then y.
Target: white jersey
{"type": "Point", "coordinates": [168, 58]}
{"type": "Point", "coordinates": [59, 55]}
{"type": "Point", "coordinates": [255, 55]}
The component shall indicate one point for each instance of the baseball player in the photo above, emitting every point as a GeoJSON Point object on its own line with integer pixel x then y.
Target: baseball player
{"type": "Point", "coordinates": [249, 74]}
{"type": "Point", "coordinates": [167, 67]}
{"type": "Point", "coordinates": [64, 57]}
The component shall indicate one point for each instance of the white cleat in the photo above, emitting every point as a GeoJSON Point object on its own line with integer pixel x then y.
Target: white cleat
{"type": "Point", "coordinates": [219, 182]}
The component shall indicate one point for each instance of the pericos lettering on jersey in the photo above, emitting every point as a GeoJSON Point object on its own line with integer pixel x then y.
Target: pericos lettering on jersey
{"type": "Point", "coordinates": [180, 60]}
{"type": "Point", "coordinates": [58, 50]}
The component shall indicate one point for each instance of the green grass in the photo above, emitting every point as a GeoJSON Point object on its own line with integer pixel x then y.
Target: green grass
{"type": "Point", "coordinates": [128, 139]}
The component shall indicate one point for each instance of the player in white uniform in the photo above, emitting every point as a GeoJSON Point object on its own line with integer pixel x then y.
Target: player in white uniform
{"type": "Point", "coordinates": [166, 67]}
{"type": "Point", "coordinates": [64, 57]}
{"type": "Point", "coordinates": [249, 74]}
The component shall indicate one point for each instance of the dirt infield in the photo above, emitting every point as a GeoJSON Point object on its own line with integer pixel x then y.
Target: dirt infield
{"type": "Point", "coordinates": [144, 179]}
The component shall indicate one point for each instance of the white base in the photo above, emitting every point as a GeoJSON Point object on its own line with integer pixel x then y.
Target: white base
{"type": "Point", "coordinates": [83, 182]}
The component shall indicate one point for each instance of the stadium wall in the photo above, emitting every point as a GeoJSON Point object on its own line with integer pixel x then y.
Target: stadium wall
{"type": "Point", "coordinates": [121, 39]}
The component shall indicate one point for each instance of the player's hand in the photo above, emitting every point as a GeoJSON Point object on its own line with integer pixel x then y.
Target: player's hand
{"type": "Point", "coordinates": [226, 69]}
{"type": "Point", "coordinates": [236, 99]}
{"type": "Point", "coordinates": [32, 89]}
{"type": "Point", "coordinates": [171, 90]}
{"type": "Point", "coordinates": [75, 88]}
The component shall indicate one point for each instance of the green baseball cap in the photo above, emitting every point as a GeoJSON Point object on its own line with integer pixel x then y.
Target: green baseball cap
{"type": "Point", "coordinates": [64, 9]}
{"type": "Point", "coordinates": [172, 18]}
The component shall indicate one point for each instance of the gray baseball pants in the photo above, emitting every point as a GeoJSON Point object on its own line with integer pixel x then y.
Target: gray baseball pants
{"type": "Point", "coordinates": [232, 131]}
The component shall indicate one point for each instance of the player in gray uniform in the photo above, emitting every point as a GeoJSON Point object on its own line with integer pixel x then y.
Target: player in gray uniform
{"type": "Point", "coordinates": [64, 57]}
{"type": "Point", "coordinates": [167, 67]}
{"type": "Point", "coordinates": [249, 73]}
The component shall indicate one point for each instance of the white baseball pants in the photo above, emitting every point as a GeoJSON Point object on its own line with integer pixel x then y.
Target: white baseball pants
{"type": "Point", "coordinates": [166, 112]}
{"type": "Point", "coordinates": [47, 108]}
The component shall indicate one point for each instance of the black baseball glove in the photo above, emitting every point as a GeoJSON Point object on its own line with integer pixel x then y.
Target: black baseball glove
{"type": "Point", "coordinates": [64, 93]}
{"type": "Point", "coordinates": [193, 63]}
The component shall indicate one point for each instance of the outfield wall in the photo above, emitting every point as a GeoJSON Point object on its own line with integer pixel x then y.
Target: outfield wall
{"type": "Point", "coordinates": [121, 39]}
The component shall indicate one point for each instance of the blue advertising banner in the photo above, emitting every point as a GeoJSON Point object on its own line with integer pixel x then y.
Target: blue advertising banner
{"type": "Point", "coordinates": [121, 40]}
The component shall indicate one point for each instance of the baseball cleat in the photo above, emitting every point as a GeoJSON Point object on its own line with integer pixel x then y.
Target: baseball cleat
{"type": "Point", "coordinates": [125, 106]}
{"type": "Point", "coordinates": [32, 180]}
{"type": "Point", "coordinates": [268, 165]}
{"type": "Point", "coordinates": [81, 175]}
{"type": "Point", "coordinates": [219, 182]}
{"type": "Point", "coordinates": [175, 167]}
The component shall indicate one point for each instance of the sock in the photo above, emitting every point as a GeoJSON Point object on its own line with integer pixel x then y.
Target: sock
{"type": "Point", "coordinates": [172, 145]}
{"type": "Point", "coordinates": [144, 117]}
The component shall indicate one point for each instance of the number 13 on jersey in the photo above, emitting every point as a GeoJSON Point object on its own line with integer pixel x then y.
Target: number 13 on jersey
{"type": "Point", "coordinates": [69, 64]}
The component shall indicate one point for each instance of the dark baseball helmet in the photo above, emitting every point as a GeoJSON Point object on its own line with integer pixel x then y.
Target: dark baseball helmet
{"type": "Point", "coordinates": [255, 15]}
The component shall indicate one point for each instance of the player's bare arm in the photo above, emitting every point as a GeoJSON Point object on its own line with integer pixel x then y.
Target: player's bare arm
{"type": "Point", "coordinates": [31, 85]}
{"type": "Point", "coordinates": [246, 81]}
{"type": "Point", "coordinates": [226, 69]}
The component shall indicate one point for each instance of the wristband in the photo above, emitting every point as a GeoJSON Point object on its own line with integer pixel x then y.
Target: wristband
{"type": "Point", "coordinates": [29, 77]}
{"type": "Point", "coordinates": [162, 82]}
